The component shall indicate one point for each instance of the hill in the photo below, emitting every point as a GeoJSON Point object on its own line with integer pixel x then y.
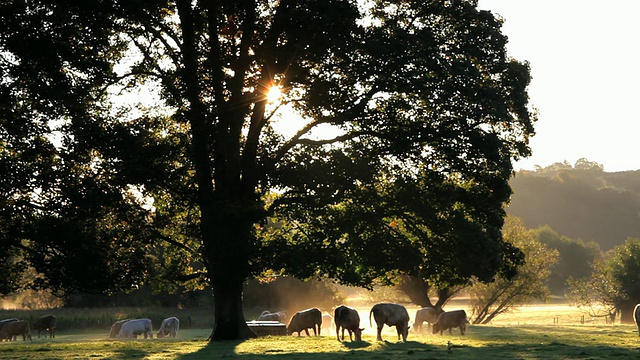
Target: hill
{"type": "Point", "coordinates": [581, 202]}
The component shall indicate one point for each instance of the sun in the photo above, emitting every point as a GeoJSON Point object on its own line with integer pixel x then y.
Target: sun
{"type": "Point", "coordinates": [274, 94]}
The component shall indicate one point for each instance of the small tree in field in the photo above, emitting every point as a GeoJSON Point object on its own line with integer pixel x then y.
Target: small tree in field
{"type": "Point", "coordinates": [614, 285]}
{"type": "Point", "coordinates": [501, 296]}
{"type": "Point", "coordinates": [596, 295]}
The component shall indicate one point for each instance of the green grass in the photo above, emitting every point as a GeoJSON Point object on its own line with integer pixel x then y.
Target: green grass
{"type": "Point", "coordinates": [529, 333]}
{"type": "Point", "coordinates": [481, 342]}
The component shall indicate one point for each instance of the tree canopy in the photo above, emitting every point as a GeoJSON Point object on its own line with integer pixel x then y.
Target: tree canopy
{"type": "Point", "coordinates": [391, 141]}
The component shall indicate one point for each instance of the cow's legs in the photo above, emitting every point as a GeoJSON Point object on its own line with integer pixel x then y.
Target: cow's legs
{"type": "Point", "coordinates": [379, 338]}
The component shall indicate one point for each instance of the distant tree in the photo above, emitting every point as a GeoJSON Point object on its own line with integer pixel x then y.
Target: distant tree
{"type": "Point", "coordinates": [574, 258]}
{"type": "Point", "coordinates": [529, 284]}
{"type": "Point", "coordinates": [104, 198]}
{"type": "Point", "coordinates": [585, 164]}
{"type": "Point", "coordinates": [597, 295]}
{"type": "Point", "coordinates": [614, 284]}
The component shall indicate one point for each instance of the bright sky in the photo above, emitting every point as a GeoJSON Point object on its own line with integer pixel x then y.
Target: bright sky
{"type": "Point", "coordinates": [585, 62]}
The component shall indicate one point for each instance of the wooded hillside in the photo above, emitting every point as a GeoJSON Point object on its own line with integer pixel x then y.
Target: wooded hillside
{"type": "Point", "coordinates": [580, 202]}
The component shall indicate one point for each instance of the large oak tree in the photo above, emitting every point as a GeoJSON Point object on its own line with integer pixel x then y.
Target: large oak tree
{"type": "Point", "coordinates": [388, 151]}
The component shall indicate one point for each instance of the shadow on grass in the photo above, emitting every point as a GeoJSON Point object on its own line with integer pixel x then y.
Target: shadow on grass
{"type": "Point", "coordinates": [354, 350]}
{"type": "Point", "coordinates": [129, 354]}
{"type": "Point", "coordinates": [481, 343]}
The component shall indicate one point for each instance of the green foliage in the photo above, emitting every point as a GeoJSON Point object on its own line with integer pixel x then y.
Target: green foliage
{"type": "Point", "coordinates": [614, 283]}
{"type": "Point", "coordinates": [575, 258]}
{"type": "Point", "coordinates": [529, 284]}
{"type": "Point", "coordinates": [579, 203]}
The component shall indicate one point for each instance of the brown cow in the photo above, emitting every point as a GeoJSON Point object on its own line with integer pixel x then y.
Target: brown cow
{"type": "Point", "coordinates": [426, 314]}
{"type": "Point", "coordinates": [47, 323]}
{"type": "Point", "coordinates": [449, 320]}
{"type": "Point", "coordinates": [391, 315]}
{"type": "Point", "coordinates": [304, 320]}
{"type": "Point", "coordinates": [15, 328]}
{"type": "Point", "coordinates": [347, 318]}
{"type": "Point", "coordinates": [115, 328]}
{"type": "Point", "coordinates": [5, 321]}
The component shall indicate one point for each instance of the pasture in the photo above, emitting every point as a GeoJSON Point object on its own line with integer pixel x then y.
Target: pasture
{"type": "Point", "coordinates": [553, 331]}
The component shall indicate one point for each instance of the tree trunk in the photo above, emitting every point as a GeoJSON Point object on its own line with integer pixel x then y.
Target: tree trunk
{"type": "Point", "coordinates": [626, 314]}
{"type": "Point", "coordinates": [226, 237]}
{"type": "Point", "coordinates": [416, 289]}
{"type": "Point", "coordinates": [230, 323]}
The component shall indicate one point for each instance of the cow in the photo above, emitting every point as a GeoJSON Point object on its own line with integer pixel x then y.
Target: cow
{"type": "Point", "coordinates": [15, 328]}
{"type": "Point", "coordinates": [449, 320]}
{"type": "Point", "coordinates": [170, 327]}
{"type": "Point", "coordinates": [636, 317]}
{"type": "Point", "coordinates": [426, 314]}
{"type": "Point", "coordinates": [115, 328]}
{"type": "Point", "coordinates": [133, 328]}
{"type": "Point", "coordinates": [391, 315]}
{"type": "Point", "coordinates": [5, 321]}
{"type": "Point", "coordinates": [47, 323]}
{"type": "Point", "coordinates": [304, 320]}
{"type": "Point", "coordinates": [348, 319]}
{"type": "Point", "coordinates": [279, 316]}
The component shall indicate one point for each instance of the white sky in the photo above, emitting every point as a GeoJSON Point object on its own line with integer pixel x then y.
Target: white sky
{"type": "Point", "coordinates": [585, 62]}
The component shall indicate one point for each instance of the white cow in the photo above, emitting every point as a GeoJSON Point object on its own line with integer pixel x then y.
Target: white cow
{"type": "Point", "coordinates": [133, 328]}
{"type": "Point", "coordinates": [169, 327]}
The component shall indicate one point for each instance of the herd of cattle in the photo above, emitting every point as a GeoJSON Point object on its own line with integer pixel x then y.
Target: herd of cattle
{"type": "Point", "coordinates": [10, 329]}
{"type": "Point", "coordinates": [344, 317]}
{"type": "Point", "coordinates": [347, 318]}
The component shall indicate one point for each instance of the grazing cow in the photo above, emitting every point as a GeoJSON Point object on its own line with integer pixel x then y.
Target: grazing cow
{"type": "Point", "coordinates": [115, 328]}
{"type": "Point", "coordinates": [5, 321]}
{"type": "Point", "coordinates": [391, 315]}
{"type": "Point", "coordinates": [133, 328]}
{"type": "Point", "coordinates": [279, 316]}
{"type": "Point", "coordinates": [47, 323]}
{"type": "Point", "coordinates": [426, 314]}
{"type": "Point", "coordinates": [327, 321]}
{"type": "Point", "coordinates": [348, 319]}
{"type": "Point", "coordinates": [304, 320]}
{"type": "Point", "coordinates": [15, 328]}
{"type": "Point", "coordinates": [636, 317]}
{"type": "Point", "coordinates": [449, 320]}
{"type": "Point", "coordinates": [169, 327]}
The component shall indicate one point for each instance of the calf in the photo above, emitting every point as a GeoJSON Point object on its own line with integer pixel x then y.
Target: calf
{"type": "Point", "coordinates": [169, 327]}
{"type": "Point", "coordinates": [47, 323]}
{"type": "Point", "coordinates": [115, 328]}
{"type": "Point", "coordinates": [391, 315]}
{"type": "Point", "coordinates": [304, 320]}
{"type": "Point", "coordinates": [348, 319]}
{"type": "Point", "coordinates": [449, 320]}
{"type": "Point", "coordinates": [133, 328]}
{"type": "Point", "coordinates": [15, 328]}
{"type": "Point", "coordinates": [426, 314]}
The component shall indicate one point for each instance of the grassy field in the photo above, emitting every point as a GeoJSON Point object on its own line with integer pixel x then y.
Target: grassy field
{"type": "Point", "coordinates": [552, 331]}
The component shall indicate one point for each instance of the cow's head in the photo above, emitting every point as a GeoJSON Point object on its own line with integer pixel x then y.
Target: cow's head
{"type": "Point", "coordinates": [358, 333]}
